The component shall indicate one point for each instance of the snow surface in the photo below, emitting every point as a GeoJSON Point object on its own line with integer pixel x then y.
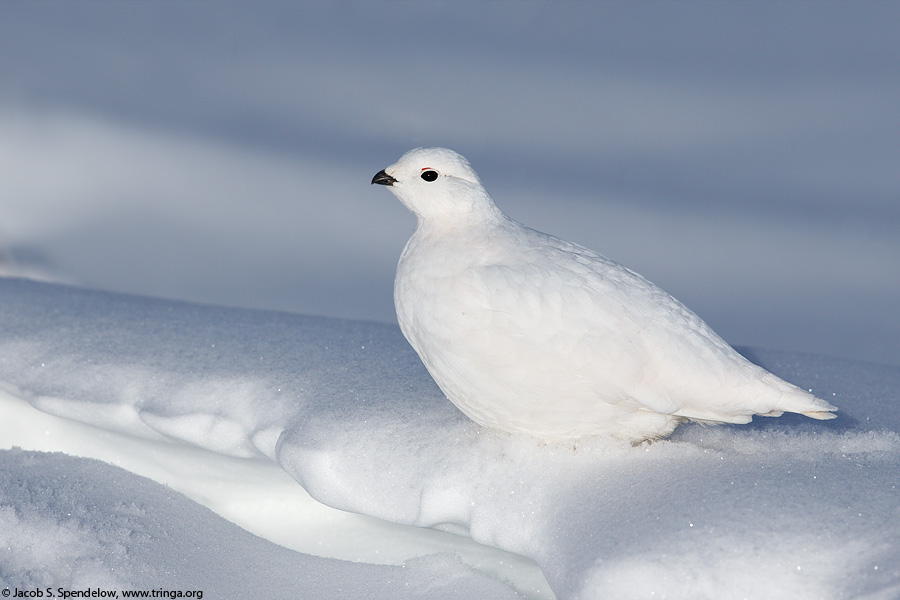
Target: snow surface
{"type": "Point", "coordinates": [82, 524]}
{"type": "Point", "coordinates": [211, 399]}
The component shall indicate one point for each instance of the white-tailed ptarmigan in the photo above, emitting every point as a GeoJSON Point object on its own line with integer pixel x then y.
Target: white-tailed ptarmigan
{"type": "Point", "coordinates": [526, 332]}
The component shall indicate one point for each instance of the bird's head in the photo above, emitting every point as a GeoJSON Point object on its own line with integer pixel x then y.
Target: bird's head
{"type": "Point", "coordinates": [438, 185]}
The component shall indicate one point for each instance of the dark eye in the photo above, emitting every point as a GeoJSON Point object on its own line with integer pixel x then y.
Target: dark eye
{"type": "Point", "coordinates": [429, 175]}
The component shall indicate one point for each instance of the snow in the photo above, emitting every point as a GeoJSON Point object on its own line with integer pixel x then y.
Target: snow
{"type": "Point", "coordinates": [345, 409]}
{"type": "Point", "coordinates": [82, 524]}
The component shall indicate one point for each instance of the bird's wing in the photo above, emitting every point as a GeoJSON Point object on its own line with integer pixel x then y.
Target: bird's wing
{"type": "Point", "coordinates": [546, 322]}
{"type": "Point", "coordinates": [598, 323]}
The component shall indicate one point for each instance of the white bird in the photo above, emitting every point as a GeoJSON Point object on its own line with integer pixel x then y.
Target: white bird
{"type": "Point", "coordinates": [525, 332]}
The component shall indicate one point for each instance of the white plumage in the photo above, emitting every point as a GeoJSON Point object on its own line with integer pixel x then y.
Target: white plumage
{"type": "Point", "coordinates": [526, 332]}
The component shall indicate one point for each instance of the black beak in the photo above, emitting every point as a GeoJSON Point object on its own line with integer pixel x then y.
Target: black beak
{"type": "Point", "coordinates": [383, 178]}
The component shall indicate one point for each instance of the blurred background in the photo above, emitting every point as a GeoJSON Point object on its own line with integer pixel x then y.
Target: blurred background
{"type": "Point", "coordinates": [743, 155]}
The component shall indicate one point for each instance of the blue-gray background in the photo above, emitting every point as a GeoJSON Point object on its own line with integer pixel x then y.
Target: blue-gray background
{"type": "Point", "coordinates": [744, 156]}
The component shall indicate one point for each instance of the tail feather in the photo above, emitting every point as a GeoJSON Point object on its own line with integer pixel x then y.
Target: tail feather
{"type": "Point", "coordinates": [821, 414]}
{"type": "Point", "coordinates": [797, 400]}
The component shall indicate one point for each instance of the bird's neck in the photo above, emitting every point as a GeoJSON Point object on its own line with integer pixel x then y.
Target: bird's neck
{"type": "Point", "coordinates": [479, 216]}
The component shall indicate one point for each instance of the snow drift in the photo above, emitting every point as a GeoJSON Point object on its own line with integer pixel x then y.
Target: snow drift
{"type": "Point", "coordinates": [781, 508]}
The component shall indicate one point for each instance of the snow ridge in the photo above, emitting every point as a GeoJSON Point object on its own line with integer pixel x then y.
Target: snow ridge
{"type": "Point", "coordinates": [347, 410]}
